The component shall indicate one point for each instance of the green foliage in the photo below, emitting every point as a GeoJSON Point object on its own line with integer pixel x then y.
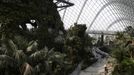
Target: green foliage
{"type": "Point", "coordinates": [123, 51]}
{"type": "Point", "coordinates": [125, 67]}
{"type": "Point", "coordinates": [77, 44]}
{"type": "Point", "coordinates": [14, 13]}
{"type": "Point", "coordinates": [119, 53]}
{"type": "Point", "coordinates": [130, 30]}
{"type": "Point", "coordinates": [44, 61]}
{"type": "Point", "coordinates": [45, 50]}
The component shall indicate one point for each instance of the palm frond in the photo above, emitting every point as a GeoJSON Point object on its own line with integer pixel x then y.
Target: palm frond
{"type": "Point", "coordinates": [12, 45]}
{"type": "Point", "coordinates": [9, 45]}
{"type": "Point", "coordinates": [6, 61]}
{"type": "Point", "coordinates": [33, 45]}
{"type": "Point", "coordinates": [38, 56]}
{"type": "Point", "coordinates": [21, 42]}
{"type": "Point", "coordinates": [20, 56]}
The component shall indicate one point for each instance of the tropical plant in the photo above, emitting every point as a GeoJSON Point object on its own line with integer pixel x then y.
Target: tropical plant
{"type": "Point", "coordinates": [44, 49]}
{"type": "Point", "coordinates": [124, 53]}
{"type": "Point", "coordinates": [31, 61]}
{"type": "Point", "coordinates": [78, 44]}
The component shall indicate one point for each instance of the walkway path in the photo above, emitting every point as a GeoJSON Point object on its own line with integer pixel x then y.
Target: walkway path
{"type": "Point", "coordinates": [97, 68]}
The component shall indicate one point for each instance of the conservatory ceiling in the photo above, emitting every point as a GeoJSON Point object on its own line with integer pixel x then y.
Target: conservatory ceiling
{"type": "Point", "coordinates": [99, 15]}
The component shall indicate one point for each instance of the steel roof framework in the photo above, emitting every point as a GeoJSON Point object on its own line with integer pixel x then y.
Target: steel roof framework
{"type": "Point", "coordinates": [118, 13]}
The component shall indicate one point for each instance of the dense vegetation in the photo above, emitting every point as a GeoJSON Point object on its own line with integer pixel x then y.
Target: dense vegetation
{"type": "Point", "coordinates": [43, 49]}
{"type": "Point", "coordinates": [123, 51]}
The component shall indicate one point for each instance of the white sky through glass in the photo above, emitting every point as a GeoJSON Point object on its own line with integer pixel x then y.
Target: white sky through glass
{"type": "Point", "coordinates": [107, 16]}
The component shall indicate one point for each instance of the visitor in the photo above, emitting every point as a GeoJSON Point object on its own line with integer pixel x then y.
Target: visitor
{"type": "Point", "coordinates": [106, 70]}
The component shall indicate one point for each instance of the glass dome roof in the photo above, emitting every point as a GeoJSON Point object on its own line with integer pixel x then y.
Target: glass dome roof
{"type": "Point", "coordinates": [99, 15]}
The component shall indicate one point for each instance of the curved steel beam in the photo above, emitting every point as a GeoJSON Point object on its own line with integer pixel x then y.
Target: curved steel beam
{"type": "Point", "coordinates": [121, 13]}
{"type": "Point", "coordinates": [119, 8]}
{"type": "Point", "coordinates": [118, 20]}
{"type": "Point", "coordinates": [64, 12]}
{"type": "Point", "coordinates": [81, 11]}
{"type": "Point", "coordinates": [122, 9]}
{"type": "Point", "coordinates": [106, 5]}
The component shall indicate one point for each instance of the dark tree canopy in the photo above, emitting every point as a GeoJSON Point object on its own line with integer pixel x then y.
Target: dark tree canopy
{"type": "Point", "coordinates": [18, 12]}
